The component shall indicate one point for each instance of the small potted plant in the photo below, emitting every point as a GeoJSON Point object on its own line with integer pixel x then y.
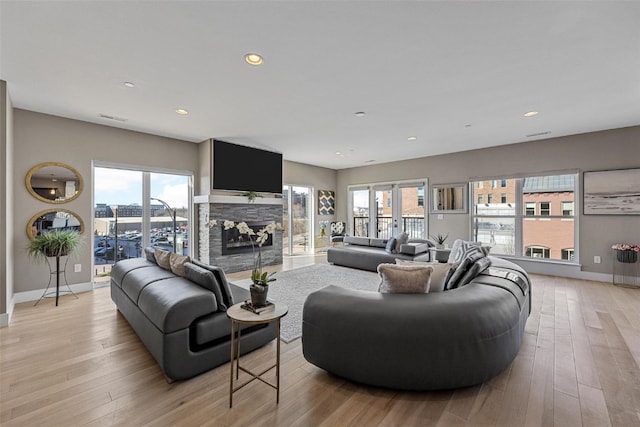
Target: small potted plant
{"type": "Point", "coordinates": [440, 239]}
{"type": "Point", "coordinates": [54, 243]}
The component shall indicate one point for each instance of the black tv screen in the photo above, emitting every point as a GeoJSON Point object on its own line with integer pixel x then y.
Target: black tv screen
{"type": "Point", "coordinates": [237, 167]}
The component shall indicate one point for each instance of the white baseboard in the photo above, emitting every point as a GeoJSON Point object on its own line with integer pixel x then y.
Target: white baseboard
{"type": "Point", "coordinates": [36, 294]}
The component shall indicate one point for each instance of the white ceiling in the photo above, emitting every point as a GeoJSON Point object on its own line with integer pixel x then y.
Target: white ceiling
{"type": "Point", "coordinates": [458, 75]}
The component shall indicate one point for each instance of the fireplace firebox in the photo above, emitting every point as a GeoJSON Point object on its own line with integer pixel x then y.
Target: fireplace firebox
{"type": "Point", "coordinates": [234, 242]}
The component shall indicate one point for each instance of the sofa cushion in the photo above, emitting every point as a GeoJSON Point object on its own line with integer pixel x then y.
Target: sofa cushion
{"type": "Point", "coordinates": [356, 240]}
{"type": "Point", "coordinates": [227, 295]}
{"type": "Point", "coordinates": [404, 279]}
{"type": "Point", "coordinates": [390, 247]}
{"type": "Point", "coordinates": [172, 304]}
{"type": "Point", "coordinates": [462, 249]}
{"type": "Point", "coordinates": [177, 263]}
{"type": "Point", "coordinates": [205, 278]}
{"type": "Point", "coordinates": [458, 272]}
{"type": "Point", "coordinates": [163, 258]}
{"type": "Point", "coordinates": [136, 280]}
{"type": "Point", "coordinates": [122, 268]}
{"type": "Point", "coordinates": [414, 248]}
{"type": "Point", "coordinates": [439, 274]}
{"type": "Point", "coordinates": [476, 268]}
{"type": "Point", "coordinates": [378, 243]}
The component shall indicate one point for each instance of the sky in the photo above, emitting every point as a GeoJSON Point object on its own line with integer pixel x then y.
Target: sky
{"type": "Point", "coordinates": [124, 187]}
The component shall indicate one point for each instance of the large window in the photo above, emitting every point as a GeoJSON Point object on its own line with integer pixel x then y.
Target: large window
{"type": "Point", "coordinates": [535, 217]}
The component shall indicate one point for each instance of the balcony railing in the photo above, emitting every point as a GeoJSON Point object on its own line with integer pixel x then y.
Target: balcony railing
{"type": "Point", "coordinates": [412, 225]}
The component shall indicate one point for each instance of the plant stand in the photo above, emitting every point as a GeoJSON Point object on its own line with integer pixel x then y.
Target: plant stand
{"type": "Point", "coordinates": [626, 270]}
{"type": "Point", "coordinates": [57, 272]}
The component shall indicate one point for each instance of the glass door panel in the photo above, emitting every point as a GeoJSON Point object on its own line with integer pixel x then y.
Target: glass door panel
{"type": "Point", "coordinates": [360, 212]}
{"type": "Point", "coordinates": [297, 216]}
{"type": "Point", "coordinates": [117, 222]}
{"type": "Point", "coordinates": [384, 214]}
{"type": "Point", "coordinates": [286, 247]}
{"type": "Point", "coordinates": [412, 211]}
{"type": "Point", "coordinates": [169, 212]}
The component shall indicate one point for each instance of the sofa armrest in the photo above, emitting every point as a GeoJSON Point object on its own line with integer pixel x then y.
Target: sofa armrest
{"type": "Point", "coordinates": [414, 248]}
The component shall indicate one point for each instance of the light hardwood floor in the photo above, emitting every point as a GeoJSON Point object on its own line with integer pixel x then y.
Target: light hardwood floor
{"type": "Point", "coordinates": [81, 364]}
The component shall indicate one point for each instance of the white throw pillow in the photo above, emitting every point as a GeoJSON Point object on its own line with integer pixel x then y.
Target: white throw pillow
{"type": "Point", "coordinates": [404, 279]}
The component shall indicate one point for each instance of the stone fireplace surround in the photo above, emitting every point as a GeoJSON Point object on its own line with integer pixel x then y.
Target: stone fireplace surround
{"type": "Point", "coordinates": [237, 209]}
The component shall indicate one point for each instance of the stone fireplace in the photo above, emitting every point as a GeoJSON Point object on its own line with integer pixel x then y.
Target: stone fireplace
{"type": "Point", "coordinates": [229, 249]}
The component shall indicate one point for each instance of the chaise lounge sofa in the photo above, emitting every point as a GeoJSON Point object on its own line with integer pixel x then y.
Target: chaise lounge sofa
{"type": "Point", "coordinates": [427, 341]}
{"type": "Point", "coordinates": [367, 253]}
{"type": "Point", "coordinates": [182, 320]}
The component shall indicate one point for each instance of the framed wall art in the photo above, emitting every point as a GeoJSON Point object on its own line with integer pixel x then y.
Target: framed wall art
{"type": "Point", "coordinates": [613, 192]}
{"type": "Point", "coordinates": [326, 202]}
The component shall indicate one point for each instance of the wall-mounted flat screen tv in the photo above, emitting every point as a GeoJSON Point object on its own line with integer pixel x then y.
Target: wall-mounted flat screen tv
{"type": "Point", "coordinates": [242, 168]}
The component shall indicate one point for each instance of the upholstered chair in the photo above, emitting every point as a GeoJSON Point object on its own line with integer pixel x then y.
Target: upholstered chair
{"type": "Point", "coordinates": [337, 232]}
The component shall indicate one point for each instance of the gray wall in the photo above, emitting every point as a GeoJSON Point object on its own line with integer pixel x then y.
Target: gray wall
{"type": "Point", "coordinates": [6, 202]}
{"type": "Point", "coordinates": [42, 138]}
{"type": "Point", "coordinates": [613, 149]}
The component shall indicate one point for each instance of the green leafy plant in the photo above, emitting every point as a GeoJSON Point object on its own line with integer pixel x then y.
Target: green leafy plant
{"type": "Point", "coordinates": [251, 196]}
{"type": "Point", "coordinates": [439, 238]}
{"type": "Point", "coordinates": [54, 243]}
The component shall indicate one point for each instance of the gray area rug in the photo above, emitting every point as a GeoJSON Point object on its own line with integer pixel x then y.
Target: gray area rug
{"type": "Point", "coordinates": [292, 287]}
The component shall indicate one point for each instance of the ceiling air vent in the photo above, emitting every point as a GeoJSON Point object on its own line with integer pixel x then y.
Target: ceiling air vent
{"type": "Point", "coordinates": [116, 118]}
{"type": "Point", "coordinates": [538, 134]}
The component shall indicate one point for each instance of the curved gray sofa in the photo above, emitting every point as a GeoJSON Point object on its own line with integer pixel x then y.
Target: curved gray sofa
{"type": "Point", "coordinates": [183, 324]}
{"type": "Point", "coordinates": [432, 341]}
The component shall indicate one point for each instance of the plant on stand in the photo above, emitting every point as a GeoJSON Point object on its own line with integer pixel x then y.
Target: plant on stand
{"type": "Point", "coordinates": [440, 239]}
{"type": "Point", "coordinates": [626, 253]}
{"type": "Point", "coordinates": [260, 279]}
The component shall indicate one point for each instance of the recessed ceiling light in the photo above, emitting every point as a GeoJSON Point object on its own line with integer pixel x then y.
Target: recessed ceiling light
{"type": "Point", "coordinates": [182, 111]}
{"type": "Point", "coordinates": [338, 153]}
{"type": "Point", "coordinates": [359, 114]}
{"type": "Point", "coordinates": [253, 59]}
{"type": "Point", "coordinates": [412, 138]}
{"type": "Point", "coordinates": [129, 84]}
{"type": "Point", "coordinates": [531, 114]}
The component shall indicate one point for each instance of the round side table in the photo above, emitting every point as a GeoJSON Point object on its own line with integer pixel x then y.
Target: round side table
{"type": "Point", "coordinates": [239, 316]}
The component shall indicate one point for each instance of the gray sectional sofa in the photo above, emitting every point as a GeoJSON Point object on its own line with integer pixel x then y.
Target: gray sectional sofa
{"type": "Point", "coordinates": [428, 341]}
{"type": "Point", "coordinates": [367, 253]}
{"type": "Point", "coordinates": [182, 320]}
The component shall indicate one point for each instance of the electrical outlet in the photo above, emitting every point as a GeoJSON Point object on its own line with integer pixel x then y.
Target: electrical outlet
{"type": "Point", "coordinates": [440, 216]}
{"type": "Point", "coordinates": [596, 259]}
{"type": "Point", "coordinates": [77, 268]}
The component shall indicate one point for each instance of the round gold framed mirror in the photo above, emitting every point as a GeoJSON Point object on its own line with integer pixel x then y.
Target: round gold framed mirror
{"type": "Point", "coordinates": [54, 219]}
{"type": "Point", "coordinates": [54, 182]}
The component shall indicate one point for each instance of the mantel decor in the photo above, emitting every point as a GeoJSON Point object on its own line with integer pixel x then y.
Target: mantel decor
{"type": "Point", "coordinates": [613, 192]}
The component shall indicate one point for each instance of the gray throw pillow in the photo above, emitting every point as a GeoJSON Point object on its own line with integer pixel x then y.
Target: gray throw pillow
{"type": "Point", "coordinates": [391, 245]}
{"type": "Point", "coordinates": [227, 296]}
{"type": "Point", "coordinates": [149, 254]}
{"type": "Point", "coordinates": [476, 268]}
{"type": "Point", "coordinates": [456, 275]}
{"type": "Point", "coordinates": [205, 279]}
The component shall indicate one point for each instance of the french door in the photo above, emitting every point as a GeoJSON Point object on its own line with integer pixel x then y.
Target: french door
{"type": "Point", "coordinates": [387, 209]}
{"type": "Point", "coordinates": [297, 238]}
